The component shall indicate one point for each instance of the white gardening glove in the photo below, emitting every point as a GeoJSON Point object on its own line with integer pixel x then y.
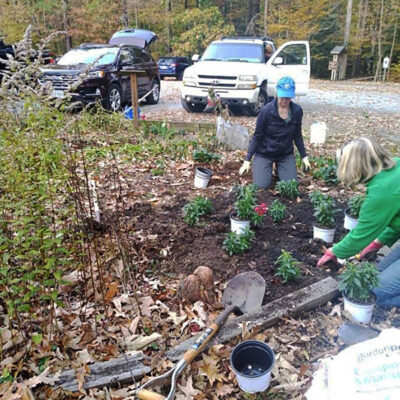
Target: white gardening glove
{"type": "Point", "coordinates": [245, 167]}
{"type": "Point", "coordinates": [306, 164]}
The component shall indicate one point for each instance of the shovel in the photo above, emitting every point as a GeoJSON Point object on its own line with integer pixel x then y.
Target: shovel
{"type": "Point", "coordinates": [244, 293]}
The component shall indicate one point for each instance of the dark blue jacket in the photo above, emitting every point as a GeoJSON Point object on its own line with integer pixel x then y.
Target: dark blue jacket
{"type": "Point", "coordinates": [273, 137]}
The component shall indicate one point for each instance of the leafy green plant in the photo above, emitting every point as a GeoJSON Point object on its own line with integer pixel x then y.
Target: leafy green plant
{"type": "Point", "coordinates": [205, 156]}
{"type": "Point", "coordinates": [288, 269]}
{"type": "Point", "coordinates": [357, 281]}
{"type": "Point", "coordinates": [195, 209]}
{"type": "Point", "coordinates": [288, 189]}
{"type": "Point", "coordinates": [317, 197]}
{"type": "Point", "coordinates": [325, 214]}
{"type": "Point", "coordinates": [236, 243]}
{"type": "Point", "coordinates": [245, 205]}
{"type": "Point", "coordinates": [159, 169]}
{"type": "Point", "coordinates": [328, 175]}
{"type": "Point", "coordinates": [277, 211]}
{"type": "Point", "coordinates": [355, 204]}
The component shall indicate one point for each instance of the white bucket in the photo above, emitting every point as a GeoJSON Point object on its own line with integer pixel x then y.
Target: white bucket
{"type": "Point", "coordinates": [238, 226]}
{"type": "Point", "coordinates": [318, 133]}
{"type": "Point", "coordinates": [349, 222]}
{"type": "Point", "coordinates": [327, 235]}
{"type": "Point", "coordinates": [202, 177]}
{"type": "Point", "coordinates": [252, 362]}
{"type": "Point", "coordinates": [359, 312]}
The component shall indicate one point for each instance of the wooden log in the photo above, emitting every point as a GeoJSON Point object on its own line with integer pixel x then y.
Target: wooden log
{"type": "Point", "coordinates": [268, 315]}
{"type": "Point", "coordinates": [116, 371]}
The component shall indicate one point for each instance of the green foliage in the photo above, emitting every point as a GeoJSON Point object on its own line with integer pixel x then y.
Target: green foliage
{"type": "Point", "coordinates": [328, 175]}
{"type": "Point", "coordinates": [205, 156]}
{"type": "Point", "coordinates": [159, 169]}
{"type": "Point", "coordinates": [357, 281]}
{"type": "Point", "coordinates": [355, 204]}
{"type": "Point", "coordinates": [245, 204]}
{"type": "Point", "coordinates": [288, 269]}
{"type": "Point", "coordinates": [324, 213]}
{"type": "Point", "coordinates": [236, 243]}
{"type": "Point", "coordinates": [289, 189]}
{"type": "Point", "coordinates": [317, 197]}
{"type": "Point", "coordinates": [277, 211]}
{"type": "Point", "coordinates": [195, 209]}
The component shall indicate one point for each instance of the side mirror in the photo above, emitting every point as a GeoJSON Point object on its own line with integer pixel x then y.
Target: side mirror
{"type": "Point", "coordinates": [195, 57]}
{"type": "Point", "coordinates": [278, 61]}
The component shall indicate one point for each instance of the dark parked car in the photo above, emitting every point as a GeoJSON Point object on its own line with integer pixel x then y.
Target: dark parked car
{"type": "Point", "coordinates": [173, 66]}
{"type": "Point", "coordinates": [100, 68]}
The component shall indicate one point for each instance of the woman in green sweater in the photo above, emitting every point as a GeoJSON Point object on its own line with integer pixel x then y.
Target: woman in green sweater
{"type": "Point", "coordinates": [363, 160]}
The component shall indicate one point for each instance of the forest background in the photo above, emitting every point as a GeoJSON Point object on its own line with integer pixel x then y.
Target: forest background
{"type": "Point", "coordinates": [185, 27]}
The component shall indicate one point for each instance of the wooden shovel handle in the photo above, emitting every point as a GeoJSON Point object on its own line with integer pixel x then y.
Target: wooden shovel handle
{"type": "Point", "coordinates": [145, 394]}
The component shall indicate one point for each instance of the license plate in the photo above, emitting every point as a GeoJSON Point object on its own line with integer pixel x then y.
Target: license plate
{"type": "Point", "coordinates": [163, 67]}
{"type": "Point", "coordinates": [58, 93]}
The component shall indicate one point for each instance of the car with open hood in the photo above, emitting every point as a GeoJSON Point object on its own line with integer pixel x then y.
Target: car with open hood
{"type": "Point", "coordinates": [95, 72]}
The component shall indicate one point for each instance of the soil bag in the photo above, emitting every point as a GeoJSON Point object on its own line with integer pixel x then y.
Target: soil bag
{"type": "Point", "coordinates": [365, 371]}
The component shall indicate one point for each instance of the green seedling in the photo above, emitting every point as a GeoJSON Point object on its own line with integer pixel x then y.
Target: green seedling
{"type": "Point", "coordinates": [288, 269]}
{"type": "Point", "coordinates": [205, 156]}
{"type": "Point", "coordinates": [236, 243]}
{"type": "Point", "coordinates": [195, 209]}
{"type": "Point", "coordinates": [277, 211]}
{"type": "Point", "coordinates": [289, 189]}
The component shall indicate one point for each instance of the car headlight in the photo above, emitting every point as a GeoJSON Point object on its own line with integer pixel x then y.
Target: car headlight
{"type": "Point", "coordinates": [188, 83]}
{"type": "Point", "coordinates": [247, 86]}
{"type": "Point", "coordinates": [247, 77]}
{"type": "Point", "coordinates": [96, 74]}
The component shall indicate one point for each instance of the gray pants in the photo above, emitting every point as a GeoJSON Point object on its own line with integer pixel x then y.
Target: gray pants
{"type": "Point", "coordinates": [262, 169]}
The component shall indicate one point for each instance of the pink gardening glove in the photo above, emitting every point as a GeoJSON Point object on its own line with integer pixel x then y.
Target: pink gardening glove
{"type": "Point", "coordinates": [328, 256]}
{"type": "Point", "coordinates": [372, 247]}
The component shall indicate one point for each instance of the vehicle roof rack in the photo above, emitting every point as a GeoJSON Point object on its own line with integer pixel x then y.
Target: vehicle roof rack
{"type": "Point", "coordinates": [249, 38]}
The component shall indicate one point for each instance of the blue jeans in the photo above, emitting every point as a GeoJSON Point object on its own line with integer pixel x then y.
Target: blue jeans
{"type": "Point", "coordinates": [388, 290]}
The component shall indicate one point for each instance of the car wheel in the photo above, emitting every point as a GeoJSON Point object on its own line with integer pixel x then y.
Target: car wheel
{"type": "Point", "coordinates": [192, 108]}
{"type": "Point", "coordinates": [154, 96]}
{"type": "Point", "coordinates": [262, 99]}
{"type": "Point", "coordinates": [113, 101]}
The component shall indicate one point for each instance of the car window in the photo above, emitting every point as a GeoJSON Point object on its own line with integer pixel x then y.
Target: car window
{"type": "Point", "coordinates": [138, 55]}
{"type": "Point", "coordinates": [294, 54]}
{"type": "Point", "coordinates": [146, 57]}
{"type": "Point", "coordinates": [243, 52]}
{"type": "Point", "coordinates": [97, 56]}
{"type": "Point", "coordinates": [166, 60]}
{"type": "Point", "coordinates": [126, 56]}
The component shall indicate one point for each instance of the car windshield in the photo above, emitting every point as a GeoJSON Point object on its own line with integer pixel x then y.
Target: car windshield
{"type": "Point", "coordinates": [167, 61]}
{"type": "Point", "coordinates": [242, 52]}
{"type": "Point", "coordinates": [97, 56]}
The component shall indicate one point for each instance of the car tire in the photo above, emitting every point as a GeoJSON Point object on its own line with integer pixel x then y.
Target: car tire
{"type": "Point", "coordinates": [192, 108]}
{"type": "Point", "coordinates": [113, 101]}
{"type": "Point", "coordinates": [154, 96]}
{"type": "Point", "coordinates": [262, 99]}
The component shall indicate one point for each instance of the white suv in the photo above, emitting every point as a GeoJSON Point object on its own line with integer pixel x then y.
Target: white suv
{"type": "Point", "coordinates": [239, 74]}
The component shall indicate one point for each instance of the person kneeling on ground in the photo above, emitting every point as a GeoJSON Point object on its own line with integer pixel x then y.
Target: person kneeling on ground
{"type": "Point", "coordinates": [363, 160]}
{"type": "Point", "coordinates": [278, 125]}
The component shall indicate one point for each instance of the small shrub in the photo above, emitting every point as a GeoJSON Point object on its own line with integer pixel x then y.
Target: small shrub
{"type": "Point", "coordinates": [288, 189]}
{"type": "Point", "coordinates": [277, 211]}
{"type": "Point", "coordinates": [324, 213]}
{"type": "Point", "coordinates": [318, 197]}
{"type": "Point", "coordinates": [328, 175]}
{"type": "Point", "coordinates": [205, 156]}
{"type": "Point", "coordinates": [288, 269]}
{"type": "Point", "coordinates": [245, 205]}
{"type": "Point", "coordinates": [355, 204]}
{"type": "Point", "coordinates": [238, 243]}
{"type": "Point", "coordinates": [195, 209]}
{"type": "Point", "coordinates": [357, 281]}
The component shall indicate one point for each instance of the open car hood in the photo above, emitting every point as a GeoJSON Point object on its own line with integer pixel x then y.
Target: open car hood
{"type": "Point", "coordinates": [137, 37]}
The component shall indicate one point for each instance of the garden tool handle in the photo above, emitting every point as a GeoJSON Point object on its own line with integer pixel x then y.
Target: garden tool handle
{"type": "Point", "coordinates": [209, 333]}
{"type": "Point", "coordinates": [145, 394]}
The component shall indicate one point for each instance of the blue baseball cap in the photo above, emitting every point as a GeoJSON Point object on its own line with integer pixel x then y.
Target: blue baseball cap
{"type": "Point", "coordinates": [286, 87]}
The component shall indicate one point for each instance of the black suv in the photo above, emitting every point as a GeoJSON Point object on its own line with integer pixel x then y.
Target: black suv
{"type": "Point", "coordinates": [100, 68]}
{"type": "Point", "coordinates": [173, 66]}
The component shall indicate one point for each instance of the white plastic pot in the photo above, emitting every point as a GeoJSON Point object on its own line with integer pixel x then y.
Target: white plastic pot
{"type": "Point", "coordinates": [349, 221]}
{"type": "Point", "coordinates": [359, 312]}
{"type": "Point", "coordinates": [252, 362]}
{"type": "Point", "coordinates": [238, 225]}
{"type": "Point", "coordinates": [327, 235]}
{"type": "Point", "coordinates": [201, 177]}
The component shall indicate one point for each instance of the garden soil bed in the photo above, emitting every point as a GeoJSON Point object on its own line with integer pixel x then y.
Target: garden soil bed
{"type": "Point", "coordinates": [177, 249]}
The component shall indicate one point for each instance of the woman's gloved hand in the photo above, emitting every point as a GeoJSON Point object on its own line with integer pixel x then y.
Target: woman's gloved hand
{"type": "Point", "coordinates": [245, 167]}
{"type": "Point", "coordinates": [328, 256]}
{"type": "Point", "coordinates": [373, 246]}
{"type": "Point", "coordinates": [306, 164]}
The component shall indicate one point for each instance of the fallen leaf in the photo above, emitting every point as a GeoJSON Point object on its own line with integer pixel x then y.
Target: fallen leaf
{"type": "Point", "coordinates": [112, 290]}
{"type": "Point", "coordinates": [188, 389]}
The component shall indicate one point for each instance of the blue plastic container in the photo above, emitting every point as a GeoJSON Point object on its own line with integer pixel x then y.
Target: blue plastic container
{"type": "Point", "coordinates": [128, 112]}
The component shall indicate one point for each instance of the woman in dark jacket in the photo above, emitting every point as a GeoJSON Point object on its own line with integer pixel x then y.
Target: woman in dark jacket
{"type": "Point", "coordinates": [278, 125]}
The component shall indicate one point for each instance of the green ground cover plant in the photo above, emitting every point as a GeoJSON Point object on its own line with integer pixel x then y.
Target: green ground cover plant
{"type": "Point", "coordinates": [236, 243]}
{"type": "Point", "coordinates": [195, 209]}
{"type": "Point", "coordinates": [205, 156]}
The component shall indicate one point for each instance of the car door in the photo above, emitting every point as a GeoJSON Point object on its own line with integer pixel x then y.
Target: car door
{"type": "Point", "coordinates": [126, 61]}
{"type": "Point", "coordinates": [143, 79]}
{"type": "Point", "coordinates": [291, 59]}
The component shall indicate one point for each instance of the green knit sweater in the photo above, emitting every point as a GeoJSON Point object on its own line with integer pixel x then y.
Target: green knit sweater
{"type": "Point", "coordinates": [379, 214]}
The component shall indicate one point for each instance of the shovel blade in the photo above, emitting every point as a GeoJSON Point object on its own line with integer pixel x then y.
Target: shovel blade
{"type": "Point", "coordinates": [245, 290]}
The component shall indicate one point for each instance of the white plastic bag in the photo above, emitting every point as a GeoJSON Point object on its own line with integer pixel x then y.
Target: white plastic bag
{"type": "Point", "coordinates": [318, 133]}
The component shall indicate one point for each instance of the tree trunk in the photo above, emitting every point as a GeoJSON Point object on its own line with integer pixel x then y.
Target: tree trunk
{"type": "Point", "coordinates": [393, 40]}
{"type": "Point", "coordinates": [65, 25]}
{"type": "Point", "coordinates": [379, 63]}
{"type": "Point", "coordinates": [125, 14]}
{"type": "Point", "coordinates": [342, 71]}
{"type": "Point", "coordinates": [254, 10]}
{"type": "Point", "coordinates": [265, 17]}
{"type": "Point", "coordinates": [362, 21]}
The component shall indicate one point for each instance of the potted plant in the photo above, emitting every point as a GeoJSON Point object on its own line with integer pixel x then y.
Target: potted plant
{"type": "Point", "coordinates": [356, 283]}
{"type": "Point", "coordinates": [246, 210]}
{"type": "Point", "coordinates": [324, 228]}
{"type": "Point", "coordinates": [353, 211]}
